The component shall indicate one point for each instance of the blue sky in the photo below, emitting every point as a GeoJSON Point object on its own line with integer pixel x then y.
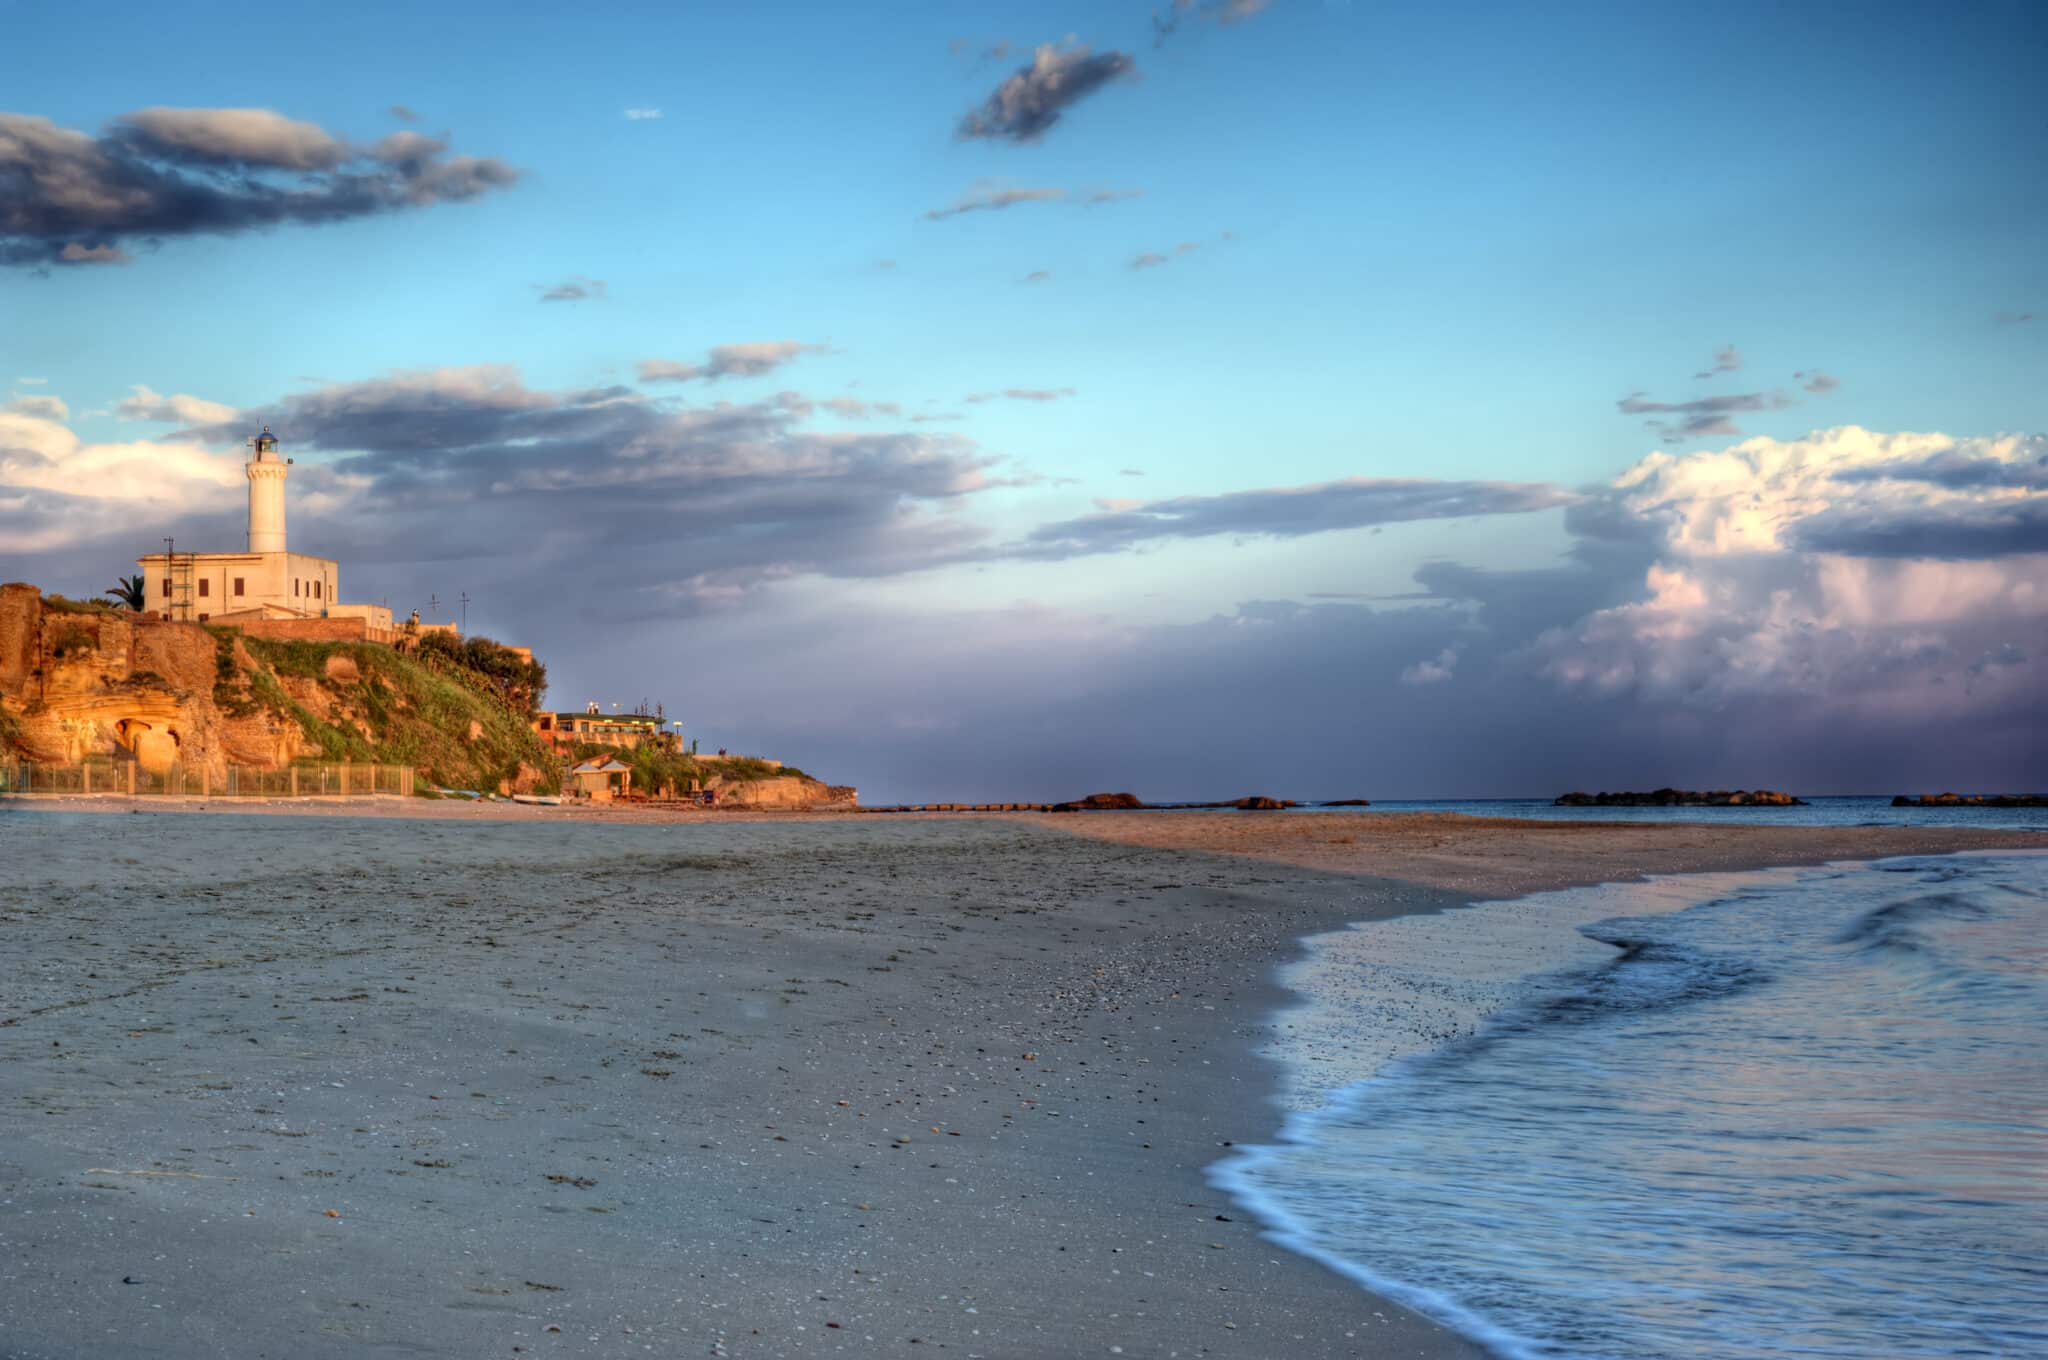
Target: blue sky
{"type": "Point", "coordinates": [1429, 243]}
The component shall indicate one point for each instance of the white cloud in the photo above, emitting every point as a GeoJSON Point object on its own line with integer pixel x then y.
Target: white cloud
{"type": "Point", "coordinates": [181, 409]}
{"type": "Point", "coordinates": [642, 115]}
{"type": "Point", "coordinates": [1433, 671]}
{"type": "Point", "coordinates": [1849, 564]}
{"type": "Point", "coordinates": [61, 490]}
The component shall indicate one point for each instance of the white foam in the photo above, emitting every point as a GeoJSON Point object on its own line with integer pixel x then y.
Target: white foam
{"type": "Point", "coordinates": [1378, 992]}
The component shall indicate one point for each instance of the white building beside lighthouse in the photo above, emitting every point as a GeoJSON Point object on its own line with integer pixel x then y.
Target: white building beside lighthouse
{"type": "Point", "coordinates": [265, 583]}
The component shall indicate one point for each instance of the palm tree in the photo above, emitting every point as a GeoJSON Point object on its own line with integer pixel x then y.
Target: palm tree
{"type": "Point", "coordinates": [129, 593]}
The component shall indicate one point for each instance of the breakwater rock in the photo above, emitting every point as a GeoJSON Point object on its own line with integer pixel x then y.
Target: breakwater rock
{"type": "Point", "coordinates": [1683, 798]}
{"type": "Point", "coordinates": [1990, 800]}
{"type": "Point", "coordinates": [1101, 802]}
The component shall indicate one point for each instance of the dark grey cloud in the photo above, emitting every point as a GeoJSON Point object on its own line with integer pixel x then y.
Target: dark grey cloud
{"type": "Point", "coordinates": [1951, 532]}
{"type": "Point", "coordinates": [1152, 259]}
{"type": "Point", "coordinates": [2012, 318]}
{"type": "Point", "coordinates": [2003, 655]}
{"type": "Point", "coordinates": [1037, 276]}
{"type": "Point", "coordinates": [1029, 102]}
{"type": "Point", "coordinates": [575, 288]}
{"type": "Point", "coordinates": [1962, 470]}
{"type": "Point", "coordinates": [404, 114]}
{"type": "Point", "coordinates": [1817, 382]}
{"type": "Point", "coordinates": [750, 359]}
{"type": "Point", "coordinates": [1037, 703]}
{"type": "Point", "coordinates": [1167, 22]}
{"type": "Point", "coordinates": [855, 408]}
{"type": "Point", "coordinates": [998, 50]}
{"type": "Point", "coordinates": [1727, 359]}
{"type": "Point", "coordinates": [1287, 512]}
{"type": "Point", "coordinates": [1702, 415]}
{"type": "Point", "coordinates": [68, 197]}
{"type": "Point", "coordinates": [539, 492]}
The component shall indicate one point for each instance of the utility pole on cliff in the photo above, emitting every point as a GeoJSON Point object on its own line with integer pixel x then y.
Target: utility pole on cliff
{"type": "Point", "coordinates": [465, 613]}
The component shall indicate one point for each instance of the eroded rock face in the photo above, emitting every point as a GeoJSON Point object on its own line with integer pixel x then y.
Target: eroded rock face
{"type": "Point", "coordinates": [21, 622]}
{"type": "Point", "coordinates": [783, 791]}
{"type": "Point", "coordinates": [90, 683]}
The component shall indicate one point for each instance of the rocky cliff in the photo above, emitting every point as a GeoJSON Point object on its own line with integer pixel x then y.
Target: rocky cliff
{"type": "Point", "coordinates": [788, 792]}
{"type": "Point", "coordinates": [79, 681]}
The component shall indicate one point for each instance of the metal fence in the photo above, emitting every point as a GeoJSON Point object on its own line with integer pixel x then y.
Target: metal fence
{"type": "Point", "coordinates": [125, 778]}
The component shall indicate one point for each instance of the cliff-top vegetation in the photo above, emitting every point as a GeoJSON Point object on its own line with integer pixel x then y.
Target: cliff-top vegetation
{"type": "Point", "coordinates": [458, 714]}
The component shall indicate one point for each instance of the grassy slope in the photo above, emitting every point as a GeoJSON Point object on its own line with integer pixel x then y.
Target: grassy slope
{"type": "Point", "coordinates": [415, 716]}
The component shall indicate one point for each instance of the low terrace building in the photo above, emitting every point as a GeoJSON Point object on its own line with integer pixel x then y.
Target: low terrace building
{"type": "Point", "coordinates": [564, 732]}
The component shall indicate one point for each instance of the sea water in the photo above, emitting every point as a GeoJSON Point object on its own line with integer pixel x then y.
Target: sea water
{"type": "Point", "coordinates": [1857, 810]}
{"type": "Point", "coordinates": [1806, 1116]}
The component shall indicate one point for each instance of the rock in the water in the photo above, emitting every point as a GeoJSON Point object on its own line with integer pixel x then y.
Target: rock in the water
{"type": "Point", "coordinates": [1990, 800]}
{"type": "Point", "coordinates": [1101, 802]}
{"type": "Point", "coordinates": [1683, 798]}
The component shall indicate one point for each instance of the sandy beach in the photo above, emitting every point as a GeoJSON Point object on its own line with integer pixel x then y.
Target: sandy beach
{"type": "Point", "coordinates": [448, 1079]}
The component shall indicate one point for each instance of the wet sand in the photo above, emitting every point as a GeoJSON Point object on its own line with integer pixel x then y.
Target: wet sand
{"type": "Point", "coordinates": [714, 1084]}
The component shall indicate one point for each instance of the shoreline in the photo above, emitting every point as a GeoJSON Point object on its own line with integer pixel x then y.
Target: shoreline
{"type": "Point", "coordinates": [1454, 1001]}
{"type": "Point", "coordinates": [1447, 988]}
{"type": "Point", "coordinates": [1147, 974]}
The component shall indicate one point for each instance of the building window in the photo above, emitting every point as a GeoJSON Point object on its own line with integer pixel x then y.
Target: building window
{"type": "Point", "coordinates": [295, 587]}
{"type": "Point", "coordinates": [167, 587]}
{"type": "Point", "coordinates": [238, 585]}
{"type": "Point", "coordinates": [316, 590]}
{"type": "Point", "coordinates": [203, 584]}
{"type": "Point", "coordinates": [204, 617]}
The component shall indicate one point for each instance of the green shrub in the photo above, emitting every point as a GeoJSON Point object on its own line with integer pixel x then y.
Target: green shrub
{"type": "Point", "coordinates": [73, 640]}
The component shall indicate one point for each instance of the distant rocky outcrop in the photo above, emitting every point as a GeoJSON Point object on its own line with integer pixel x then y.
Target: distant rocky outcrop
{"type": "Point", "coordinates": [1259, 803]}
{"type": "Point", "coordinates": [789, 793]}
{"type": "Point", "coordinates": [1345, 802]}
{"type": "Point", "coordinates": [1683, 798]}
{"type": "Point", "coordinates": [1990, 800]}
{"type": "Point", "coordinates": [1101, 802]}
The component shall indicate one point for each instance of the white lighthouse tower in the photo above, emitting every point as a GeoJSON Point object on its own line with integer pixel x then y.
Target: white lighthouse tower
{"type": "Point", "coordinates": [266, 586]}
{"type": "Point", "coordinates": [266, 494]}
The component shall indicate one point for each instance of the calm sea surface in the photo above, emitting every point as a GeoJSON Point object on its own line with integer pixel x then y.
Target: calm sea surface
{"type": "Point", "coordinates": [1857, 811]}
{"type": "Point", "coordinates": [1807, 1117]}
